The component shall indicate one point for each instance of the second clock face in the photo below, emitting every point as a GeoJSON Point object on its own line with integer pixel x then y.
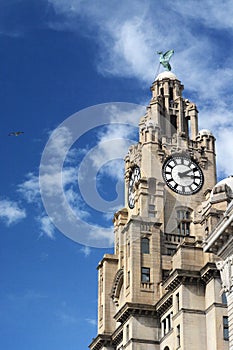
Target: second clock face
{"type": "Point", "coordinates": [182, 175]}
{"type": "Point", "coordinates": [134, 178]}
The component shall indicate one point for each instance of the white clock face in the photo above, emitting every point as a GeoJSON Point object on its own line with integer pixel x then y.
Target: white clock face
{"type": "Point", "coordinates": [134, 178]}
{"type": "Point", "coordinates": [182, 175]}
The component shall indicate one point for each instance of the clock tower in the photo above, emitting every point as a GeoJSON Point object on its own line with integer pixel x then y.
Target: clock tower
{"type": "Point", "coordinates": [159, 290]}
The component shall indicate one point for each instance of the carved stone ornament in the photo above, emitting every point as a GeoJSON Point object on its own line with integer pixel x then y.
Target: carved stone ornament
{"type": "Point", "coordinates": [226, 272]}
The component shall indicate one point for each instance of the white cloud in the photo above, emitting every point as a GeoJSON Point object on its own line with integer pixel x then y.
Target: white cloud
{"type": "Point", "coordinates": [10, 212]}
{"type": "Point", "coordinates": [66, 318]}
{"type": "Point", "coordinates": [129, 52]}
{"type": "Point", "coordinates": [113, 144]}
{"type": "Point", "coordinates": [129, 36]}
{"type": "Point", "coordinates": [46, 226]}
{"type": "Point", "coordinates": [55, 175]}
{"type": "Point", "coordinates": [86, 250]}
{"type": "Point", "coordinates": [29, 189]}
{"type": "Point", "coordinates": [91, 321]}
{"type": "Point", "coordinates": [101, 234]}
{"type": "Point", "coordinates": [224, 137]}
{"type": "Point", "coordinates": [209, 12]}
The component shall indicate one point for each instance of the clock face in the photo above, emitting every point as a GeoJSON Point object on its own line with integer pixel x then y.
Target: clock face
{"type": "Point", "coordinates": [134, 178]}
{"type": "Point", "coordinates": [182, 175]}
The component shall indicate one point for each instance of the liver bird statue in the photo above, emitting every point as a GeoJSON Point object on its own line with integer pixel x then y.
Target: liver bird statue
{"type": "Point", "coordinates": [164, 58]}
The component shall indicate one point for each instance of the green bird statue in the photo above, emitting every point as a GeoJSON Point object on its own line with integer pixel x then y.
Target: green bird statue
{"type": "Point", "coordinates": [164, 58]}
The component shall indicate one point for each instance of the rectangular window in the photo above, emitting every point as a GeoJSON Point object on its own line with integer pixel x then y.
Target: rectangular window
{"type": "Point", "coordinates": [183, 214]}
{"type": "Point", "coordinates": [173, 122]}
{"type": "Point", "coordinates": [169, 322]}
{"type": "Point", "coordinates": [178, 336]}
{"type": "Point", "coordinates": [187, 230]}
{"type": "Point", "coordinates": [183, 222]}
{"type": "Point", "coordinates": [128, 278]}
{"type": "Point", "coordinates": [224, 298]}
{"type": "Point", "coordinates": [177, 302]}
{"type": "Point", "coordinates": [225, 328]}
{"type": "Point", "coordinates": [166, 324]}
{"type": "Point", "coordinates": [127, 332]}
{"type": "Point", "coordinates": [145, 245]}
{"type": "Point", "coordinates": [145, 274]}
{"type": "Point", "coordinates": [163, 328]}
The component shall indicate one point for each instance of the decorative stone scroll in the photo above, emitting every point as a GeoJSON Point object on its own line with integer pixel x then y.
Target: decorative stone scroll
{"type": "Point", "coordinates": [226, 271]}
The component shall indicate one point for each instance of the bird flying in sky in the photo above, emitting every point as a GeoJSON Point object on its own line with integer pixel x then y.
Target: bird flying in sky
{"type": "Point", "coordinates": [15, 133]}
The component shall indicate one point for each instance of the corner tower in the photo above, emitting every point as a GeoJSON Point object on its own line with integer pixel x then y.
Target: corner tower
{"type": "Point", "coordinates": [155, 286]}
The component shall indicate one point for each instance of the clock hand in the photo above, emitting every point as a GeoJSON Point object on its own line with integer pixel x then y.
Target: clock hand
{"type": "Point", "coordinates": [184, 173]}
{"type": "Point", "coordinates": [192, 176]}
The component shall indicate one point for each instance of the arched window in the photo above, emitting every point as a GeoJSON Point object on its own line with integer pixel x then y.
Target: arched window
{"type": "Point", "coordinates": [183, 222]}
{"type": "Point", "coordinates": [166, 348]}
{"type": "Point", "coordinates": [145, 245]}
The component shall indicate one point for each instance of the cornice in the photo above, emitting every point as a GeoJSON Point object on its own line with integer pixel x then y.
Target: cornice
{"type": "Point", "coordinates": [100, 341]}
{"type": "Point", "coordinates": [180, 276]}
{"type": "Point", "coordinates": [134, 309]}
{"type": "Point", "coordinates": [109, 258]}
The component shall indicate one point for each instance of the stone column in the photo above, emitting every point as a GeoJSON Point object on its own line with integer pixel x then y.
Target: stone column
{"type": "Point", "coordinates": [226, 272]}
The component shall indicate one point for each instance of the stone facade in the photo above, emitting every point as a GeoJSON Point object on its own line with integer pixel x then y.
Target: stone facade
{"type": "Point", "coordinates": [219, 239]}
{"type": "Point", "coordinates": [160, 290]}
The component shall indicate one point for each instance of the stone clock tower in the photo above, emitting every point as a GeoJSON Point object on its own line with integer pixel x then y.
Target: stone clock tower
{"type": "Point", "coordinates": [159, 290]}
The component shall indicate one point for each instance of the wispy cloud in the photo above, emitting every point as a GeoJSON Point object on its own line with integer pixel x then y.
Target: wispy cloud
{"type": "Point", "coordinates": [64, 177]}
{"type": "Point", "coordinates": [60, 182]}
{"type": "Point", "coordinates": [27, 295]}
{"type": "Point", "coordinates": [209, 12]}
{"type": "Point", "coordinates": [91, 321]}
{"type": "Point", "coordinates": [129, 36]}
{"type": "Point", "coordinates": [67, 318]}
{"type": "Point", "coordinates": [11, 212]}
{"type": "Point", "coordinates": [46, 226]}
{"type": "Point", "coordinates": [29, 189]}
{"type": "Point", "coordinates": [86, 250]}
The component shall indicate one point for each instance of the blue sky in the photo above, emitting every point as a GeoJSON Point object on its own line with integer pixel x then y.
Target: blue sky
{"type": "Point", "coordinates": [58, 57]}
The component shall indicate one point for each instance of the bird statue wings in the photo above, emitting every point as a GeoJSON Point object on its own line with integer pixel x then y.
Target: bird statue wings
{"type": "Point", "coordinates": [164, 58]}
{"type": "Point", "coordinates": [15, 133]}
